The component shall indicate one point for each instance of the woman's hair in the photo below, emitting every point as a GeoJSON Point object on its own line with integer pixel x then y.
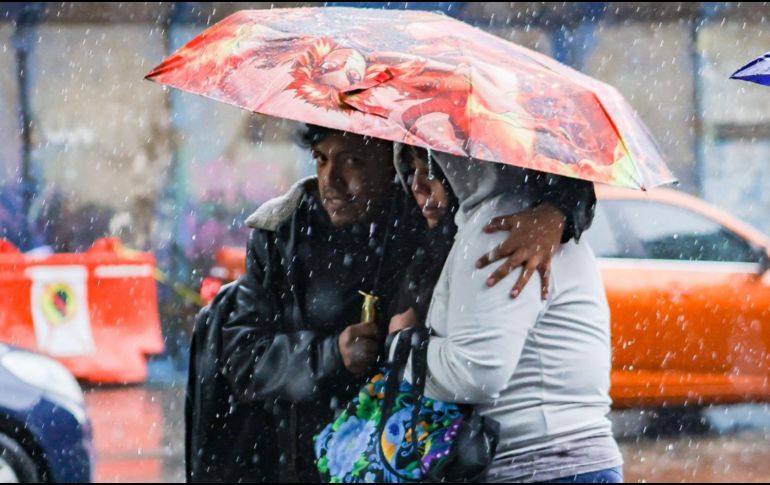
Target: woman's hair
{"type": "Point", "coordinates": [410, 153]}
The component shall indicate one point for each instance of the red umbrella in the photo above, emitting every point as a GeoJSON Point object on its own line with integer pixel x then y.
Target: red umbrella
{"type": "Point", "coordinates": [423, 79]}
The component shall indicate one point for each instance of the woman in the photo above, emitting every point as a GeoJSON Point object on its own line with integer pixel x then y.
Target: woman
{"type": "Point", "coordinates": [438, 205]}
{"type": "Point", "coordinates": [540, 368]}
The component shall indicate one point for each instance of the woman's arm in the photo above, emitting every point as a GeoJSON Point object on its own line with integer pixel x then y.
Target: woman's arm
{"type": "Point", "coordinates": [476, 353]}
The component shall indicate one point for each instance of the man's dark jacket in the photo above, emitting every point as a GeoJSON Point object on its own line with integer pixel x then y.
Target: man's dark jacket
{"type": "Point", "coordinates": [266, 372]}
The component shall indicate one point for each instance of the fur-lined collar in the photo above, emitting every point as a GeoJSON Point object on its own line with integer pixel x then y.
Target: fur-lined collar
{"type": "Point", "coordinates": [275, 211]}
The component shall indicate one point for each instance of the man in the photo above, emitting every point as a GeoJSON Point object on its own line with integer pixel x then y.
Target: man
{"type": "Point", "coordinates": [279, 351]}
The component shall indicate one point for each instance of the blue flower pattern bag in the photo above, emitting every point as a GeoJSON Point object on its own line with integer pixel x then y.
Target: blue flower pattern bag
{"type": "Point", "coordinates": [391, 432]}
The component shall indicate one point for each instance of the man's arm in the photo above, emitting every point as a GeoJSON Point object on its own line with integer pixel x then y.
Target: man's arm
{"type": "Point", "coordinates": [564, 210]}
{"type": "Point", "coordinates": [574, 198]}
{"type": "Point", "coordinates": [261, 358]}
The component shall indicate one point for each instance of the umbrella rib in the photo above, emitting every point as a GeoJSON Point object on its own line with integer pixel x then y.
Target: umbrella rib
{"type": "Point", "coordinates": [469, 98]}
{"type": "Point", "coordinates": [640, 179]}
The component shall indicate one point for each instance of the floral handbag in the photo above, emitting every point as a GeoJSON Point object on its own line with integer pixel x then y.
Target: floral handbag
{"type": "Point", "coordinates": [392, 433]}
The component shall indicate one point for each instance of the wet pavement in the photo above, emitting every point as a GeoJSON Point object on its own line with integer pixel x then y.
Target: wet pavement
{"type": "Point", "coordinates": [735, 457]}
{"type": "Point", "coordinates": [139, 432]}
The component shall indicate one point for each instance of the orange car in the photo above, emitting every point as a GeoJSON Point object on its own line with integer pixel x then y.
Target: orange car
{"type": "Point", "coordinates": [689, 290]}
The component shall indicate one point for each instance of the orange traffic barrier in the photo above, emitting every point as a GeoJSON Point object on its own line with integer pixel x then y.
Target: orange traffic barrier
{"type": "Point", "coordinates": [230, 264]}
{"type": "Point", "coordinates": [96, 312]}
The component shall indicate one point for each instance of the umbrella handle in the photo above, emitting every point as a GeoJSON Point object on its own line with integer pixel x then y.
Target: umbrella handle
{"type": "Point", "coordinates": [368, 308]}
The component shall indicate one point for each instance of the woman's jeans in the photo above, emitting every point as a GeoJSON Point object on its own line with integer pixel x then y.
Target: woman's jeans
{"type": "Point", "coordinates": [610, 475]}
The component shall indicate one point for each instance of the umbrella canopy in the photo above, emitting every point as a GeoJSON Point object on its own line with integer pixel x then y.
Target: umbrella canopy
{"type": "Point", "coordinates": [756, 71]}
{"type": "Point", "coordinates": [423, 79]}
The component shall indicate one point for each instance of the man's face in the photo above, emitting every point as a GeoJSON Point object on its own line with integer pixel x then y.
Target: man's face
{"type": "Point", "coordinates": [354, 176]}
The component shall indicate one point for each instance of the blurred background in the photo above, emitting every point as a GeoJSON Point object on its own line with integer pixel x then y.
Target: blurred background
{"type": "Point", "coordinates": [89, 149]}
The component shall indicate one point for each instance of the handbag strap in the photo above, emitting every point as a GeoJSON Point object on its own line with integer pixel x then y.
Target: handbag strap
{"type": "Point", "coordinates": [396, 367]}
{"type": "Point", "coordinates": [419, 346]}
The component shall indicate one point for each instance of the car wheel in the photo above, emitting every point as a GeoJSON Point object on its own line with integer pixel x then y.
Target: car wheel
{"type": "Point", "coordinates": [16, 466]}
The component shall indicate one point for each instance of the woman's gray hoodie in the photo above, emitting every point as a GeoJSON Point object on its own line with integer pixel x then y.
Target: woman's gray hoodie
{"type": "Point", "coordinates": [539, 368]}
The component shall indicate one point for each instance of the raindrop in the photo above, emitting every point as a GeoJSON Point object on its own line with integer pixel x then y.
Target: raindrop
{"type": "Point", "coordinates": [431, 175]}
